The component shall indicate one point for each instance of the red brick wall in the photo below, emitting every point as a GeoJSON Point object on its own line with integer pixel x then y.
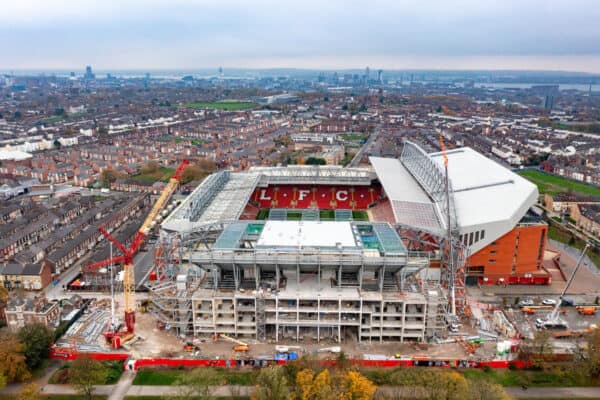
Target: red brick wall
{"type": "Point", "coordinates": [515, 253]}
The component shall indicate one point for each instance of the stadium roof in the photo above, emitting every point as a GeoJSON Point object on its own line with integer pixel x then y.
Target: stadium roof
{"type": "Point", "coordinates": [410, 203]}
{"type": "Point", "coordinates": [486, 195]}
{"type": "Point", "coordinates": [484, 190]}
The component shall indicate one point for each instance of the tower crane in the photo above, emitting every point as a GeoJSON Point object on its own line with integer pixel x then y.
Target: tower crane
{"type": "Point", "coordinates": [127, 258]}
{"type": "Point", "coordinates": [553, 320]}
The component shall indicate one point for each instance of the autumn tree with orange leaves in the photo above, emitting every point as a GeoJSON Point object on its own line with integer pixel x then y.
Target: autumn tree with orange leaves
{"type": "Point", "coordinates": [12, 358]}
{"type": "Point", "coordinates": [341, 385]}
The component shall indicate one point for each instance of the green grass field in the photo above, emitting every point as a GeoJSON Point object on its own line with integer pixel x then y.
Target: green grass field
{"type": "Point", "coordinates": [148, 376]}
{"type": "Point", "coordinates": [54, 119]}
{"type": "Point", "coordinates": [324, 215]}
{"type": "Point", "coordinates": [360, 215]}
{"type": "Point", "coordinates": [163, 174]}
{"type": "Point", "coordinates": [563, 236]}
{"type": "Point", "coordinates": [228, 105]}
{"type": "Point", "coordinates": [353, 137]}
{"type": "Point", "coordinates": [553, 184]}
{"type": "Point", "coordinates": [57, 397]}
{"type": "Point", "coordinates": [114, 369]}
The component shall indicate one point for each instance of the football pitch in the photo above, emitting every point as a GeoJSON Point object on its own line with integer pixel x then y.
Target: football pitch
{"type": "Point", "coordinates": [324, 215]}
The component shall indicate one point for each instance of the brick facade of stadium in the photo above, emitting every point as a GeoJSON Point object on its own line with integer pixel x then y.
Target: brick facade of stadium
{"type": "Point", "coordinates": [515, 258]}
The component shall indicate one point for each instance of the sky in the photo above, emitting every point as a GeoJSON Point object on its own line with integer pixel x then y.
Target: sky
{"type": "Point", "coordinates": [316, 34]}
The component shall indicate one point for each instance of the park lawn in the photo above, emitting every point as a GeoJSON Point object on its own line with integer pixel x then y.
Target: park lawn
{"type": "Point", "coordinates": [114, 371]}
{"type": "Point", "coordinates": [163, 174]}
{"type": "Point", "coordinates": [508, 377]}
{"type": "Point", "coordinates": [227, 105]}
{"type": "Point", "coordinates": [169, 377]}
{"type": "Point", "coordinates": [353, 136]}
{"type": "Point", "coordinates": [553, 184]}
{"type": "Point", "coordinates": [58, 397]}
{"type": "Point", "coordinates": [562, 236]}
{"type": "Point", "coordinates": [51, 120]}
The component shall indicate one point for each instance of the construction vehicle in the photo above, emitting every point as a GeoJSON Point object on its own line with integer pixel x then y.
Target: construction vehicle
{"type": "Point", "coordinates": [190, 347]}
{"type": "Point", "coordinates": [240, 346]}
{"type": "Point", "coordinates": [552, 321]}
{"type": "Point", "coordinates": [334, 350]}
{"type": "Point", "coordinates": [115, 335]}
{"type": "Point", "coordinates": [286, 349]}
{"type": "Point", "coordinates": [586, 310]}
{"type": "Point", "coordinates": [574, 333]}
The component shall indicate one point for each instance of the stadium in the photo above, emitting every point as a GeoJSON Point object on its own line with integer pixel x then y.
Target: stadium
{"type": "Point", "coordinates": [330, 253]}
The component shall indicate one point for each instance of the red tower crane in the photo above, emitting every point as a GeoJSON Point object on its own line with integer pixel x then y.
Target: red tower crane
{"type": "Point", "coordinates": [128, 253]}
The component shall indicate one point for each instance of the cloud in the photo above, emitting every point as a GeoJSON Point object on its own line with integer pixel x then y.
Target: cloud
{"type": "Point", "coordinates": [198, 33]}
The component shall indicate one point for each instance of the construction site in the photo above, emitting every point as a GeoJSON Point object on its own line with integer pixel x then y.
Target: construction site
{"type": "Point", "coordinates": [369, 261]}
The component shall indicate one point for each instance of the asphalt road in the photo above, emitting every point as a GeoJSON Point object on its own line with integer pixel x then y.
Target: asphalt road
{"type": "Point", "coordinates": [365, 147]}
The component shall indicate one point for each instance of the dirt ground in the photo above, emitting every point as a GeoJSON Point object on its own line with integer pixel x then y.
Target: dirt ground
{"type": "Point", "coordinates": [153, 342]}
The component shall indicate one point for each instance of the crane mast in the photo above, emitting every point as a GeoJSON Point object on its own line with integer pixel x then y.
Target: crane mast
{"type": "Point", "coordinates": [553, 317]}
{"type": "Point", "coordinates": [128, 253]}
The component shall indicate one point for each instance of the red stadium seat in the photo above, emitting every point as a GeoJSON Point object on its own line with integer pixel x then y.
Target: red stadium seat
{"type": "Point", "coordinates": [319, 196]}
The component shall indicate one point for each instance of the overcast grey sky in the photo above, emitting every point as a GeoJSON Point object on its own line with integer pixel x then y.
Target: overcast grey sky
{"type": "Point", "coordinates": [322, 34]}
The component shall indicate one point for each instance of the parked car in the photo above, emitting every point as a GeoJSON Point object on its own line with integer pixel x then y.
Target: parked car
{"type": "Point", "coordinates": [549, 302]}
{"type": "Point", "coordinates": [526, 303]}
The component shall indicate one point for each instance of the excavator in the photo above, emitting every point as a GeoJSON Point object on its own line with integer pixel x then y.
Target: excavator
{"type": "Point", "coordinates": [115, 335]}
{"type": "Point", "coordinates": [240, 346]}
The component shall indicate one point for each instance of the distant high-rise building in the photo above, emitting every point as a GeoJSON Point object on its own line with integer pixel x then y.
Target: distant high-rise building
{"type": "Point", "coordinates": [89, 75]}
{"type": "Point", "coordinates": [220, 71]}
{"type": "Point", "coordinates": [380, 76]}
{"type": "Point", "coordinates": [549, 102]}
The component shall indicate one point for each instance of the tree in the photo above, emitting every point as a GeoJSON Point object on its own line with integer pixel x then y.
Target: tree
{"type": "Point", "coordinates": [315, 161]}
{"type": "Point", "coordinates": [84, 373]}
{"type": "Point", "coordinates": [432, 383]}
{"type": "Point", "coordinates": [57, 144]}
{"type": "Point", "coordinates": [357, 387]}
{"type": "Point", "coordinates": [540, 345]}
{"type": "Point", "coordinates": [191, 173]}
{"type": "Point", "coordinates": [588, 359]}
{"type": "Point", "coordinates": [483, 389]}
{"type": "Point", "coordinates": [37, 339]}
{"type": "Point", "coordinates": [30, 391]}
{"type": "Point", "coordinates": [12, 360]}
{"type": "Point", "coordinates": [206, 165]}
{"type": "Point", "coordinates": [108, 176]}
{"type": "Point", "coordinates": [271, 384]}
{"type": "Point", "coordinates": [3, 295]}
{"type": "Point", "coordinates": [197, 384]}
{"type": "Point", "coordinates": [150, 167]}
{"type": "Point", "coordinates": [345, 385]}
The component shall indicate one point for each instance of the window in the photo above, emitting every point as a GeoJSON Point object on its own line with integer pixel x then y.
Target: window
{"type": "Point", "coordinates": [493, 252]}
{"type": "Point", "coordinates": [492, 261]}
{"type": "Point", "coordinates": [470, 238]}
{"type": "Point", "coordinates": [482, 234]}
{"type": "Point", "coordinates": [476, 236]}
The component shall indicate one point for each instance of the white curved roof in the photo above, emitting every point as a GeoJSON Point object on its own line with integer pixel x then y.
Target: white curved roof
{"type": "Point", "coordinates": [487, 196]}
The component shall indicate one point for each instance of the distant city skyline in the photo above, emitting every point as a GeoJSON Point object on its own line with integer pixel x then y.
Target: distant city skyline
{"type": "Point", "coordinates": [392, 35]}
